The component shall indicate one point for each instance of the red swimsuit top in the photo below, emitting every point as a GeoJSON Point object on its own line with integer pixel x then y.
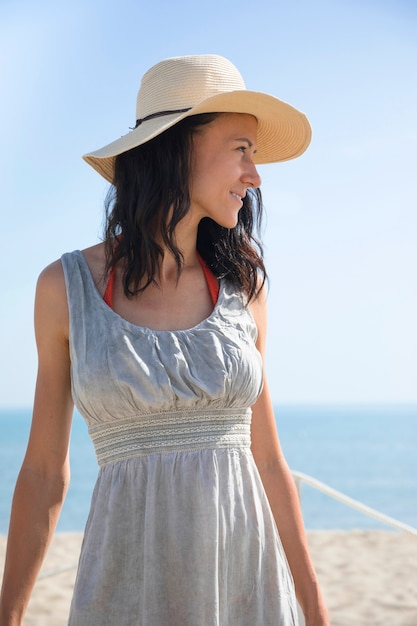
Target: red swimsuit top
{"type": "Point", "coordinates": [212, 284]}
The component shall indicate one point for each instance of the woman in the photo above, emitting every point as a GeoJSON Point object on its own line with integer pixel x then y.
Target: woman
{"type": "Point", "coordinates": [158, 334]}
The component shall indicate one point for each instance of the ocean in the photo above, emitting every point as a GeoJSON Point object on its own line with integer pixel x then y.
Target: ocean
{"type": "Point", "coordinates": [367, 452]}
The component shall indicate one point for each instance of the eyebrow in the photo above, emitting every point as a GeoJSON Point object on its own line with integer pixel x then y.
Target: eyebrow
{"type": "Point", "coordinates": [248, 141]}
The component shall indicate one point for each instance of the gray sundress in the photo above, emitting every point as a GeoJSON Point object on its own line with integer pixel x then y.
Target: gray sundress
{"type": "Point", "coordinates": [180, 532]}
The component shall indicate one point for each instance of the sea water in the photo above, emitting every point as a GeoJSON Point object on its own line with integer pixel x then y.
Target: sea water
{"type": "Point", "coordinates": [368, 453]}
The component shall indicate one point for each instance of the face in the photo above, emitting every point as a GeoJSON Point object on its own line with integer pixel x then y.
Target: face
{"type": "Point", "coordinates": [222, 167]}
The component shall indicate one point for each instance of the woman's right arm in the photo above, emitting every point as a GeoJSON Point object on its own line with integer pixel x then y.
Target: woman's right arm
{"type": "Point", "coordinates": [44, 476]}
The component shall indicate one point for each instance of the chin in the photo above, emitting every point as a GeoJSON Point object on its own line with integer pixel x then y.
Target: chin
{"type": "Point", "coordinates": [229, 223]}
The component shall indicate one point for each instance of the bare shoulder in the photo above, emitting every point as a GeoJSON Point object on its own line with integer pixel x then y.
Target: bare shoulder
{"type": "Point", "coordinates": [259, 303]}
{"type": "Point", "coordinates": [51, 308]}
{"type": "Point", "coordinates": [258, 308]}
{"type": "Point", "coordinates": [51, 279]}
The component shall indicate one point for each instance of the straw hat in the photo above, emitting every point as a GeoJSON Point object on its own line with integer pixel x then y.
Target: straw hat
{"type": "Point", "coordinates": [182, 86]}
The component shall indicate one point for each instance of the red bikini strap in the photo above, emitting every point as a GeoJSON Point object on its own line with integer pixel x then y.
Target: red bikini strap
{"type": "Point", "coordinates": [108, 294]}
{"type": "Point", "coordinates": [211, 280]}
{"type": "Point", "coordinates": [212, 284]}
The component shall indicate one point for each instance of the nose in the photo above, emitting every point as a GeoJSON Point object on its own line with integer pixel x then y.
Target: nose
{"type": "Point", "coordinates": [250, 176]}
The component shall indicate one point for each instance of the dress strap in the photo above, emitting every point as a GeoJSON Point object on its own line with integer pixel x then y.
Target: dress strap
{"type": "Point", "coordinates": [211, 280]}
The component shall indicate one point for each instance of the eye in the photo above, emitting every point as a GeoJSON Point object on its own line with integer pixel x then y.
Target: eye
{"type": "Point", "coordinates": [242, 149]}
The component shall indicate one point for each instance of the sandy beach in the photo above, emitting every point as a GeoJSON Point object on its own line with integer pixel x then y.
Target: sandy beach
{"type": "Point", "coordinates": [369, 578]}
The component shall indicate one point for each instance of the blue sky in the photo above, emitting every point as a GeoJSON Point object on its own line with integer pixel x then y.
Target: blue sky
{"type": "Point", "coordinates": [341, 230]}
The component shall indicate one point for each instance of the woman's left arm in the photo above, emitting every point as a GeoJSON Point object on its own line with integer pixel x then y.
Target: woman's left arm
{"type": "Point", "coordinates": [281, 491]}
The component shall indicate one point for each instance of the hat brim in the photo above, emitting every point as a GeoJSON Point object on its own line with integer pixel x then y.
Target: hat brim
{"type": "Point", "coordinates": [283, 133]}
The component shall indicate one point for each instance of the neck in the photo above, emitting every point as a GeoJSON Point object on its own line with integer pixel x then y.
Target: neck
{"type": "Point", "coordinates": [186, 242]}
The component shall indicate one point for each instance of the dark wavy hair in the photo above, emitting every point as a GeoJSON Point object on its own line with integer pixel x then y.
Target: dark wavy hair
{"type": "Point", "coordinates": [149, 197]}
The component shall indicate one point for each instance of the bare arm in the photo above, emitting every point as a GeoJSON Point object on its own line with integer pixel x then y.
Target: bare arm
{"type": "Point", "coordinates": [281, 492]}
{"type": "Point", "coordinates": [44, 476]}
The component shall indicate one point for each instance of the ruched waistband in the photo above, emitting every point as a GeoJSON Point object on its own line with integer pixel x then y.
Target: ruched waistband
{"type": "Point", "coordinates": [158, 433]}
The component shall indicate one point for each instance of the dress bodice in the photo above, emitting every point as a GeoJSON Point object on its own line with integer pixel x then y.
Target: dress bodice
{"type": "Point", "coordinates": [120, 370]}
